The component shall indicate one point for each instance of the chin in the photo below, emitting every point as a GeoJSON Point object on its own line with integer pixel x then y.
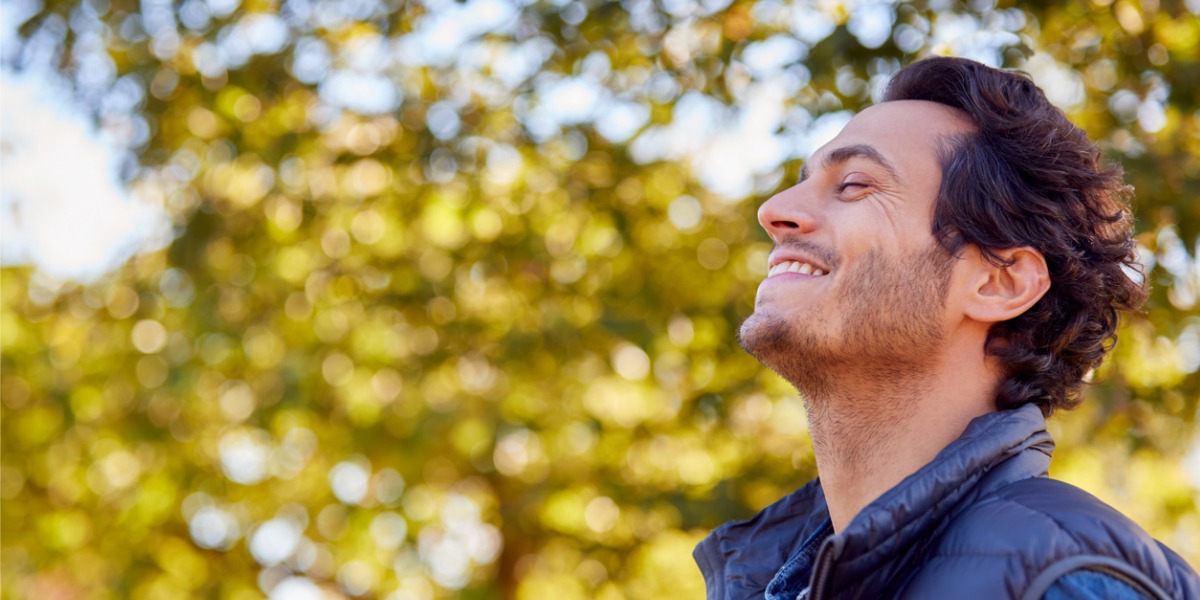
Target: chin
{"type": "Point", "coordinates": [759, 332]}
{"type": "Point", "coordinates": [774, 341]}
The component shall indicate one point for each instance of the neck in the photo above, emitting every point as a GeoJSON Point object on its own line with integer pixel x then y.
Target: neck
{"type": "Point", "coordinates": [871, 430]}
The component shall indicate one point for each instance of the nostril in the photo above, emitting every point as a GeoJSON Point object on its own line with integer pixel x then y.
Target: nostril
{"type": "Point", "coordinates": [784, 212]}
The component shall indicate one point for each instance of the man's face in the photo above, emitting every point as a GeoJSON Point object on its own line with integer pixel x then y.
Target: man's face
{"type": "Point", "coordinates": [857, 280]}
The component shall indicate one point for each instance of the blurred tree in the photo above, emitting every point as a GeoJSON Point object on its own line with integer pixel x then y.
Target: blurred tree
{"type": "Point", "coordinates": [450, 309]}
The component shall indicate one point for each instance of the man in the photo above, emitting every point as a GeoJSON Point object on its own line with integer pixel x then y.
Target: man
{"type": "Point", "coordinates": [944, 276]}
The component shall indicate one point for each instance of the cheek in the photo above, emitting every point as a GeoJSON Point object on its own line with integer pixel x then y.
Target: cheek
{"type": "Point", "coordinates": [862, 232]}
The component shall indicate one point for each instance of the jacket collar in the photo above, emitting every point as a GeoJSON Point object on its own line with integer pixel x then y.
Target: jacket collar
{"type": "Point", "coordinates": [739, 559]}
{"type": "Point", "coordinates": [995, 449]}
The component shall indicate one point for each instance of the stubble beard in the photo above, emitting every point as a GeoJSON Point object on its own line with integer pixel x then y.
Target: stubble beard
{"type": "Point", "coordinates": [888, 332]}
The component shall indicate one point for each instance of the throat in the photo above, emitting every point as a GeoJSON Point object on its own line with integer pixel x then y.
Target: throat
{"type": "Point", "coordinates": [873, 428]}
{"type": "Point", "coordinates": [865, 444]}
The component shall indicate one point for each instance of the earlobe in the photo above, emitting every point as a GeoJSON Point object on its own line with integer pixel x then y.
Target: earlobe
{"type": "Point", "coordinates": [1002, 292]}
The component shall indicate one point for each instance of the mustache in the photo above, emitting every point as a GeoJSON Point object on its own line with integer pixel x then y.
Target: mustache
{"type": "Point", "coordinates": [825, 254]}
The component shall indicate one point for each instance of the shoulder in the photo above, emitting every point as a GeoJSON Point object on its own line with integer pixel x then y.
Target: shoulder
{"type": "Point", "coordinates": [1028, 535]}
{"type": "Point", "coordinates": [1059, 518]}
{"type": "Point", "coordinates": [1056, 510]}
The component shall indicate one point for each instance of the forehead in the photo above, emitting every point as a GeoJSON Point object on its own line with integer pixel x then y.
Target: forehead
{"type": "Point", "coordinates": [908, 133]}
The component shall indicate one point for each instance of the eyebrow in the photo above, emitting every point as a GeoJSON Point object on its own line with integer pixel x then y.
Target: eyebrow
{"type": "Point", "coordinates": [843, 155]}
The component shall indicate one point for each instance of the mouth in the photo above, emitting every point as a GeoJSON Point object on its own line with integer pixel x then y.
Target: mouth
{"type": "Point", "coordinates": [795, 266]}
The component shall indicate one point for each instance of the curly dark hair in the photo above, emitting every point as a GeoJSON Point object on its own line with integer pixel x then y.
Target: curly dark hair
{"type": "Point", "coordinates": [1028, 177]}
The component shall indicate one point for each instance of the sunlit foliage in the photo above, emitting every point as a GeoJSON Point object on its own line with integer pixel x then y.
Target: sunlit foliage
{"type": "Point", "coordinates": [450, 309]}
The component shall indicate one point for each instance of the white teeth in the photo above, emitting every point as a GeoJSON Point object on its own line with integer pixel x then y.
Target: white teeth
{"type": "Point", "coordinates": [792, 266]}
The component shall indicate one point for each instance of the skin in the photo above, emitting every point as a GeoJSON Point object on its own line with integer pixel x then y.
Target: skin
{"type": "Point", "coordinates": [887, 347]}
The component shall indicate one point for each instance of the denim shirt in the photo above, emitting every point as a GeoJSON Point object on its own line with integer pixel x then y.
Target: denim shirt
{"type": "Point", "coordinates": [791, 582]}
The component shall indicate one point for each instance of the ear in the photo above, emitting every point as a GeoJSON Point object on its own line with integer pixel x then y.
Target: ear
{"type": "Point", "coordinates": [1000, 293]}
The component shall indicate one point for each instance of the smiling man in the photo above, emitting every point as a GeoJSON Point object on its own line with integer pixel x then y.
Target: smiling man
{"type": "Point", "coordinates": [945, 274]}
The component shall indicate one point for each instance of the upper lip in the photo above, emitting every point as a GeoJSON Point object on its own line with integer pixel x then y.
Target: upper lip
{"type": "Point", "coordinates": [781, 255]}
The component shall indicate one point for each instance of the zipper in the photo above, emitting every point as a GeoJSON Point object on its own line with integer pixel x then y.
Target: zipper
{"type": "Point", "coordinates": [831, 550]}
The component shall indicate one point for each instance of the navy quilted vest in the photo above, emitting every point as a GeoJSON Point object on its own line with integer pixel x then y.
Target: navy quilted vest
{"type": "Point", "coordinates": [979, 521]}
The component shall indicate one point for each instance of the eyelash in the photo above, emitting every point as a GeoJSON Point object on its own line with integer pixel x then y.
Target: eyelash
{"type": "Point", "coordinates": [842, 188]}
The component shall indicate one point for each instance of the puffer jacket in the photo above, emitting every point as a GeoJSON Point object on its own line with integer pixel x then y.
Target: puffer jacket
{"type": "Point", "coordinates": [981, 520]}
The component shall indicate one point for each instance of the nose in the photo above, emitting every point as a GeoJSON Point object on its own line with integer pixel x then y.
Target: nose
{"type": "Point", "coordinates": [788, 213]}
